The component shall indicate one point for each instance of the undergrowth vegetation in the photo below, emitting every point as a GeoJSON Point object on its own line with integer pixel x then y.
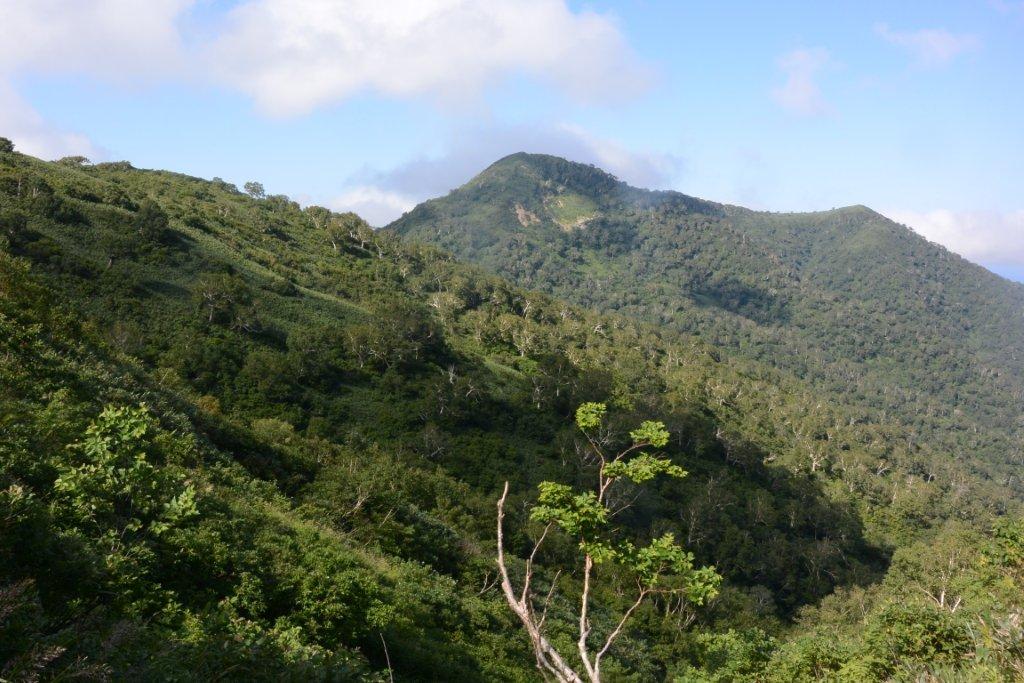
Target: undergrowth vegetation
{"type": "Point", "coordinates": [243, 440]}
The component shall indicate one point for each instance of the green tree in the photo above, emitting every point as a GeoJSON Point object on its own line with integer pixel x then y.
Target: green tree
{"type": "Point", "coordinates": [340, 229]}
{"type": "Point", "coordinates": [1007, 550]}
{"type": "Point", "coordinates": [321, 218]}
{"type": "Point", "coordinates": [255, 189]}
{"type": "Point", "coordinates": [660, 567]}
{"type": "Point", "coordinates": [6, 146]}
{"type": "Point", "coordinates": [227, 299]}
{"type": "Point", "coordinates": [111, 486]}
{"type": "Point", "coordinates": [730, 656]}
{"type": "Point", "coordinates": [150, 222]}
{"type": "Point", "coordinates": [113, 483]}
{"type": "Point", "coordinates": [12, 222]}
{"type": "Point", "coordinates": [905, 636]}
{"type": "Point", "coordinates": [400, 334]}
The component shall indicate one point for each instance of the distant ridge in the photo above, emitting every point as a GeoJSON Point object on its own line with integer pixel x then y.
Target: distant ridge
{"type": "Point", "coordinates": [847, 299]}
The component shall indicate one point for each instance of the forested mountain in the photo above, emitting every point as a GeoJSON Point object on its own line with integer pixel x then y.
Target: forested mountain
{"type": "Point", "coordinates": [244, 440]}
{"type": "Point", "coordinates": [860, 308]}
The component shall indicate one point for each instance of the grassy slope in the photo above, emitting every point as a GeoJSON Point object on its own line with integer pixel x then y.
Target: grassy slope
{"type": "Point", "coordinates": [860, 309]}
{"type": "Point", "coordinates": [394, 468]}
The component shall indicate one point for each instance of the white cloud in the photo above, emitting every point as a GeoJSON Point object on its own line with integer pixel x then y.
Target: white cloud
{"type": "Point", "coordinates": [124, 41]}
{"type": "Point", "coordinates": [119, 40]}
{"type": "Point", "coordinates": [1008, 6]}
{"type": "Point", "coordinates": [294, 55]}
{"type": "Point", "coordinates": [929, 46]}
{"type": "Point", "coordinates": [472, 149]}
{"type": "Point", "coordinates": [385, 194]}
{"type": "Point", "coordinates": [800, 92]}
{"type": "Point", "coordinates": [377, 206]}
{"type": "Point", "coordinates": [986, 237]}
{"type": "Point", "coordinates": [645, 169]}
{"type": "Point", "coordinates": [33, 135]}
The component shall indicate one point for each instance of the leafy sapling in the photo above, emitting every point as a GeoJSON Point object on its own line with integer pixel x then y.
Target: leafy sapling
{"type": "Point", "coordinates": [660, 567]}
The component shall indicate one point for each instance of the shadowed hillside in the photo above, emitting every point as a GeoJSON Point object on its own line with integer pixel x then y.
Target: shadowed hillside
{"type": "Point", "coordinates": [241, 439]}
{"type": "Point", "coordinates": [856, 306]}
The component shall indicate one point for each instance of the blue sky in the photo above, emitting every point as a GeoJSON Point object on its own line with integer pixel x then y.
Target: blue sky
{"type": "Point", "coordinates": [913, 108]}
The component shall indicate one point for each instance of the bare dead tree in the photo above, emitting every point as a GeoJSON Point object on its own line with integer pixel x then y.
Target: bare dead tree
{"type": "Point", "coordinates": [548, 658]}
{"type": "Point", "coordinates": [585, 517]}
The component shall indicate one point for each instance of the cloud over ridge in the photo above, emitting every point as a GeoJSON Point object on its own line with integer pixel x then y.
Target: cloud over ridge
{"type": "Point", "coordinates": [383, 195]}
{"type": "Point", "coordinates": [987, 237]}
{"type": "Point", "coordinates": [293, 56]}
{"type": "Point", "coordinates": [800, 93]}
{"type": "Point", "coordinates": [929, 46]}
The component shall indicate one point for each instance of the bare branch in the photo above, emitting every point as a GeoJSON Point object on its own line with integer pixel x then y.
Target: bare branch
{"type": "Point", "coordinates": [529, 564]}
{"type": "Point", "coordinates": [548, 659]}
{"type": "Point", "coordinates": [618, 629]}
{"type": "Point", "coordinates": [621, 455]}
{"type": "Point", "coordinates": [581, 644]}
{"type": "Point", "coordinates": [547, 599]}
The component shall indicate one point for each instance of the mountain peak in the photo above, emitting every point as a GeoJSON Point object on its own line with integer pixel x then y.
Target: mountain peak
{"type": "Point", "coordinates": [538, 193]}
{"type": "Point", "coordinates": [543, 195]}
{"type": "Point", "coordinates": [541, 162]}
{"type": "Point", "coordinates": [550, 171]}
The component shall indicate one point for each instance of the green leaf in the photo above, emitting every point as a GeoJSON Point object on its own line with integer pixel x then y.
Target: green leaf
{"type": "Point", "coordinates": [599, 551]}
{"type": "Point", "coordinates": [643, 468]}
{"type": "Point", "coordinates": [575, 513]}
{"type": "Point", "coordinates": [650, 432]}
{"type": "Point", "coordinates": [590, 415]}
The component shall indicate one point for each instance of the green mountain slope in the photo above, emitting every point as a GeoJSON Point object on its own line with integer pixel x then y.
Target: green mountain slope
{"type": "Point", "coordinates": [329, 415]}
{"type": "Point", "coordinates": [860, 308]}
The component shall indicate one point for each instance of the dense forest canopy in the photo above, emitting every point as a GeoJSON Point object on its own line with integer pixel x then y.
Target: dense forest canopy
{"type": "Point", "coordinates": [241, 439]}
{"type": "Point", "coordinates": [855, 306]}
